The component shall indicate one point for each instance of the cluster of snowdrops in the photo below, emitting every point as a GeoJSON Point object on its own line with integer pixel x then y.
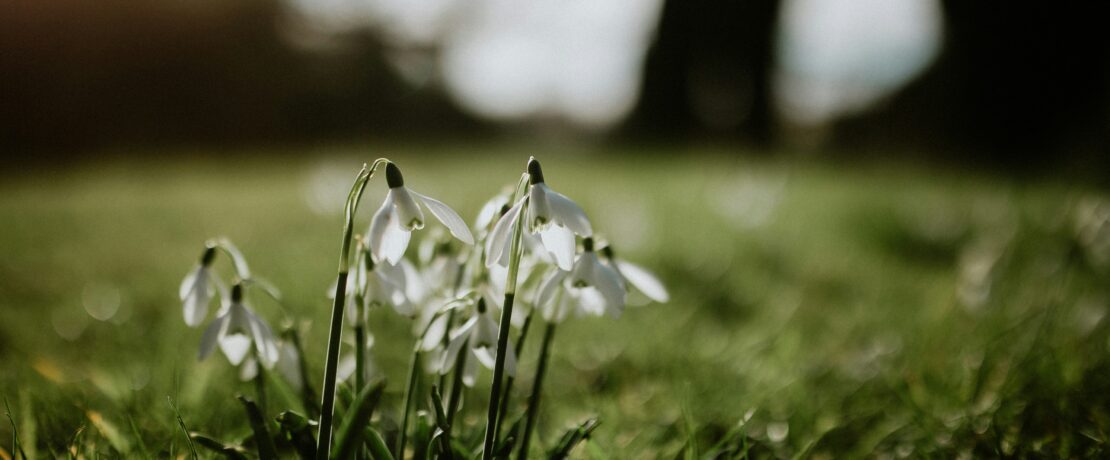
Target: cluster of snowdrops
{"type": "Point", "coordinates": [532, 254]}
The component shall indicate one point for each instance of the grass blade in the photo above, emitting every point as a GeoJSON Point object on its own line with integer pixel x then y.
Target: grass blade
{"type": "Point", "coordinates": [262, 440]}
{"type": "Point", "coordinates": [378, 449]}
{"type": "Point", "coordinates": [297, 429]}
{"type": "Point", "coordinates": [350, 435]}
{"type": "Point", "coordinates": [572, 438]}
{"type": "Point", "coordinates": [227, 451]}
{"type": "Point", "coordinates": [181, 423]}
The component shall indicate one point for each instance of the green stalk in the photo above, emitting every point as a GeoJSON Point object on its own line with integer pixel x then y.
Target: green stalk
{"type": "Point", "coordinates": [327, 406]}
{"type": "Point", "coordinates": [508, 392]}
{"type": "Point", "coordinates": [457, 385]}
{"type": "Point", "coordinates": [360, 369]}
{"type": "Point", "coordinates": [537, 386]}
{"type": "Point", "coordinates": [360, 357]}
{"type": "Point", "coordinates": [307, 396]}
{"type": "Point", "coordinates": [503, 338]}
{"type": "Point", "coordinates": [410, 391]}
{"type": "Point", "coordinates": [260, 384]}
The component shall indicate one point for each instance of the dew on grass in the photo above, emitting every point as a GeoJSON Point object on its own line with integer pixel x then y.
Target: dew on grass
{"type": "Point", "coordinates": [101, 301]}
{"type": "Point", "coordinates": [777, 431]}
{"type": "Point", "coordinates": [68, 323]}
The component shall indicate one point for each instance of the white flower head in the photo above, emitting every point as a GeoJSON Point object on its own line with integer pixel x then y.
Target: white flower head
{"type": "Point", "coordinates": [479, 336]}
{"type": "Point", "coordinates": [197, 289]}
{"type": "Point", "coordinates": [235, 330]}
{"type": "Point", "coordinates": [550, 215]}
{"type": "Point", "coordinates": [384, 285]}
{"type": "Point", "coordinates": [400, 214]}
{"type": "Point", "coordinates": [600, 288]}
{"type": "Point", "coordinates": [636, 277]}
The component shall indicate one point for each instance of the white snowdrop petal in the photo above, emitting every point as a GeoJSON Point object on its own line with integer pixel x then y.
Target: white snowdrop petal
{"type": "Point", "coordinates": [434, 336]}
{"type": "Point", "coordinates": [248, 370]}
{"type": "Point", "coordinates": [490, 211]}
{"type": "Point", "coordinates": [189, 282]}
{"type": "Point", "coordinates": [379, 224]}
{"type": "Point", "coordinates": [448, 217]}
{"type": "Point", "coordinates": [643, 280]}
{"type": "Point", "coordinates": [559, 242]}
{"type": "Point", "coordinates": [395, 241]}
{"type": "Point", "coordinates": [609, 283]}
{"type": "Point", "coordinates": [409, 215]}
{"type": "Point", "coordinates": [264, 341]}
{"type": "Point", "coordinates": [196, 307]}
{"type": "Point", "coordinates": [235, 347]}
{"type": "Point", "coordinates": [590, 301]}
{"type": "Point", "coordinates": [498, 242]}
{"type": "Point", "coordinates": [539, 211]}
{"type": "Point", "coordinates": [453, 347]}
{"type": "Point", "coordinates": [211, 337]}
{"type": "Point", "coordinates": [549, 287]}
{"type": "Point", "coordinates": [470, 372]}
{"type": "Point", "coordinates": [289, 367]}
{"type": "Point", "coordinates": [486, 356]}
{"type": "Point", "coordinates": [568, 213]}
{"type": "Point", "coordinates": [346, 367]}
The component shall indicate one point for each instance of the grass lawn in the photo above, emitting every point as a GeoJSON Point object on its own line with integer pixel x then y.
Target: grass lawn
{"type": "Point", "coordinates": [816, 310]}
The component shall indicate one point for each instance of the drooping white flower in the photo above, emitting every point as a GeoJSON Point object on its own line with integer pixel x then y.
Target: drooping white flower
{"type": "Point", "coordinates": [598, 287]}
{"type": "Point", "coordinates": [555, 301]}
{"type": "Point", "coordinates": [637, 277]}
{"type": "Point", "coordinates": [550, 215]}
{"type": "Point", "coordinates": [236, 330]}
{"type": "Point", "coordinates": [197, 289]}
{"type": "Point", "coordinates": [400, 214]}
{"type": "Point", "coordinates": [479, 336]}
{"type": "Point", "coordinates": [289, 363]}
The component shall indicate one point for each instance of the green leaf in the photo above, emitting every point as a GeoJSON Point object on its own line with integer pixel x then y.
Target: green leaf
{"type": "Point", "coordinates": [378, 449]}
{"type": "Point", "coordinates": [441, 415]}
{"type": "Point", "coordinates": [227, 451]}
{"type": "Point", "coordinates": [351, 432]}
{"type": "Point", "coordinates": [297, 429]}
{"type": "Point", "coordinates": [262, 440]}
{"type": "Point", "coordinates": [572, 437]}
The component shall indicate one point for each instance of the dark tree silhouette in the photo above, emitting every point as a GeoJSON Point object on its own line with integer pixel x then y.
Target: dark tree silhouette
{"type": "Point", "coordinates": [709, 72]}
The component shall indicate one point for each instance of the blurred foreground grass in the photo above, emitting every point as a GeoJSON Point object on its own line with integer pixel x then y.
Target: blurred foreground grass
{"type": "Point", "coordinates": [815, 310]}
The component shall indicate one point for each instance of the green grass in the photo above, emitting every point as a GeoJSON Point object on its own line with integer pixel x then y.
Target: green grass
{"type": "Point", "coordinates": [815, 309]}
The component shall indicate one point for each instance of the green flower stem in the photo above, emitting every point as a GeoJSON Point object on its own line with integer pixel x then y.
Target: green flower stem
{"type": "Point", "coordinates": [537, 387]}
{"type": "Point", "coordinates": [508, 392]}
{"type": "Point", "coordinates": [260, 384]}
{"type": "Point", "coordinates": [360, 357]}
{"type": "Point", "coordinates": [503, 338]}
{"type": "Point", "coordinates": [308, 397]}
{"type": "Point", "coordinates": [410, 394]}
{"type": "Point", "coordinates": [327, 406]}
{"type": "Point", "coordinates": [360, 370]}
{"type": "Point", "coordinates": [457, 386]}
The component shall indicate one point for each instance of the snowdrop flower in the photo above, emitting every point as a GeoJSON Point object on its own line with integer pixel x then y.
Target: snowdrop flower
{"type": "Point", "coordinates": [197, 289]}
{"type": "Point", "coordinates": [590, 287]}
{"type": "Point", "coordinates": [235, 330]}
{"type": "Point", "coordinates": [400, 214]}
{"type": "Point", "coordinates": [637, 277]}
{"type": "Point", "coordinates": [550, 215]}
{"type": "Point", "coordinates": [479, 336]}
{"type": "Point", "coordinates": [289, 363]}
{"type": "Point", "coordinates": [381, 285]}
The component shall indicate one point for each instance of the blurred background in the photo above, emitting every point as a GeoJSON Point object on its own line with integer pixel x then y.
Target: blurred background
{"type": "Point", "coordinates": [1021, 88]}
{"type": "Point", "coordinates": [884, 223]}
